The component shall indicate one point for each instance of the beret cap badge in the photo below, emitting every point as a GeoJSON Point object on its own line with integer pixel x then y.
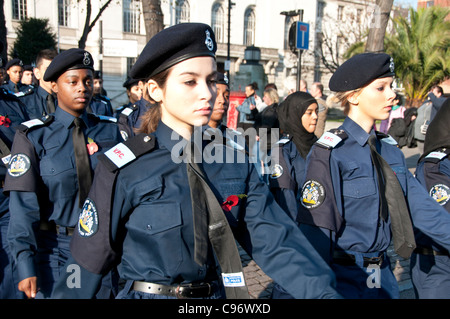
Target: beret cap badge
{"type": "Point", "coordinates": [391, 65]}
{"type": "Point", "coordinates": [209, 42]}
{"type": "Point", "coordinates": [86, 60]}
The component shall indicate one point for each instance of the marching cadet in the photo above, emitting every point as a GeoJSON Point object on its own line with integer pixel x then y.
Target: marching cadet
{"type": "Point", "coordinates": [166, 215]}
{"type": "Point", "coordinates": [14, 69]}
{"type": "Point", "coordinates": [430, 262]}
{"type": "Point", "coordinates": [42, 101]}
{"type": "Point", "coordinates": [129, 116]}
{"type": "Point", "coordinates": [12, 113]}
{"type": "Point", "coordinates": [298, 116]}
{"type": "Point", "coordinates": [100, 103]}
{"type": "Point", "coordinates": [358, 193]}
{"type": "Point", "coordinates": [49, 174]}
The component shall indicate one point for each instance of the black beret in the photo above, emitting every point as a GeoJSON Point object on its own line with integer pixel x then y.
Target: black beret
{"type": "Point", "coordinates": [28, 67]}
{"type": "Point", "coordinates": [71, 59]}
{"type": "Point", "coordinates": [13, 62]}
{"type": "Point", "coordinates": [97, 74]}
{"type": "Point", "coordinates": [130, 82]}
{"type": "Point", "coordinates": [173, 45]}
{"type": "Point", "coordinates": [360, 70]}
{"type": "Point", "coordinates": [222, 79]}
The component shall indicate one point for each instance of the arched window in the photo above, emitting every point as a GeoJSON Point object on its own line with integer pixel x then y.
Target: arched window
{"type": "Point", "coordinates": [249, 27]}
{"type": "Point", "coordinates": [218, 22]}
{"type": "Point", "coordinates": [182, 12]}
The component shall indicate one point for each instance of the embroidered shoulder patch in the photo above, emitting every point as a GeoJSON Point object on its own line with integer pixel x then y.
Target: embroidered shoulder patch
{"type": "Point", "coordinates": [19, 164]}
{"type": "Point", "coordinates": [329, 140]}
{"type": "Point", "coordinates": [440, 193]}
{"type": "Point", "coordinates": [313, 194]}
{"type": "Point", "coordinates": [88, 221]}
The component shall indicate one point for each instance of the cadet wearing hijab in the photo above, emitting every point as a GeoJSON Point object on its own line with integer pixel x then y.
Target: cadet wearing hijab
{"type": "Point", "coordinates": [166, 217]}
{"type": "Point", "coordinates": [430, 262]}
{"type": "Point", "coordinates": [351, 193]}
{"type": "Point", "coordinates": [298, 116]}
{"type": "Point", "coordinates": [49, 173]}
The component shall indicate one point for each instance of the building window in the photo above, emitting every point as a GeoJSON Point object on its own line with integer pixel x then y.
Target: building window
{"type": "Point", "coordinates": [130, 63]}
{"type": "Point", "coordinates": [182, 13]}
{"type": "Point", "coordinates": [340, 13]}
{"type": "Point", "coordinates": [131, 16]}
{"type": "Point", "coordinates": [218, 22]}
{"type": "Point", "coordinates": [249, 27]}
{"type": "Point", "coordinates": [63, 12]}
{"type": "Point", "coordinates": [19, 9]}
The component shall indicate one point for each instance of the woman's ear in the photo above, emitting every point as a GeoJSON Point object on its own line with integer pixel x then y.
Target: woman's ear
{"type": "Point", "coordinates": [353, 98]}
{"type": "Point", "coordinates": [155, 92]}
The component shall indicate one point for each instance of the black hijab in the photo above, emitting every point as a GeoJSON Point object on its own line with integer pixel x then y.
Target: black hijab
{"type": "Point", "coordinates": [290, 114]}
{"type": "Point", "coordinates": [438, 132]}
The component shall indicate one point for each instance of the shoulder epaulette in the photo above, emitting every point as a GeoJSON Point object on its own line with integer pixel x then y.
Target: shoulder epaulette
{"type": "Point", "coordinates": [126, 152]}
{"type": "Point", "coordinates": [24, 93]}
{"type": "Point", "coordinates": [128, 110]}
{"type": "Point", "coordinates": [35, 123]}
{"type": "Point", "coordinates": [331, 138]}
{"type": "Point", "coordinates": [386, 138]}
{"type": "Point", "coordinates": [284, 139]}
{"type": "Point", "coordinates": [8, 94]}
{"type": "Point", "coordinates": [103, 117]}
{"type": "Point", "coordinates": [437, 155]}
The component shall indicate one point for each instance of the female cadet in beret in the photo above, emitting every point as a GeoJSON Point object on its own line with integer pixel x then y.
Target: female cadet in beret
{"type": "Point", "coordinates": [149, 206]}
{"type": "Point", "coordinates": [430, 262]}
{"type": "Point", "coordinates": [298, 116]}
{"type": "Point", "coordinates": [359, 199]}
{"type": "Point", "coordinates": [45, 180]}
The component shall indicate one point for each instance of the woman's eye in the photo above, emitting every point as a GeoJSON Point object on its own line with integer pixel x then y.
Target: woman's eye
{"type": "Point", "coordinates": [190, 82]}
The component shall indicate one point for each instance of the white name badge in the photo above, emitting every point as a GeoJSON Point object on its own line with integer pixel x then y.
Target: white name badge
{"type": "Point", "coordinates": [329, 139]}
{"type": "Point", "coordinates": [32, 123]}
{"type": "Point", "coordinates": [120, 155]}
{"type": "Point", "coordinates": [438, 155]}
{"type": "Point", "coordinates": [233, 279]}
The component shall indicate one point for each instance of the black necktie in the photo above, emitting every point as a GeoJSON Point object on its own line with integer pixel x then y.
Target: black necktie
{"type": "Point", "coordinates": [16, 88]}
{"type": "Point", "coordinates": [81, 160]}
{"type": "Point", "coordinates": [391, 193]}
{"type": "Point", "coordinates": [211, 222]}
{"type": "Point", "coordinates": [50, 104]}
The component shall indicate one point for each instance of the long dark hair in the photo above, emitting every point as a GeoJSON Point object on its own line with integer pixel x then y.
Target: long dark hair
{"type": "Point", "coordinates": [151, 118]}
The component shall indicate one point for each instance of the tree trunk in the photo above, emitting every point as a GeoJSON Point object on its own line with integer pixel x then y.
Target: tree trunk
{"type": "Point", "coordinates": [153, 17]}
{"type": "Point", "coordinates": [375, 39]}
{"type": "Point", "coordinates": [3, 53]}
{"type": "Point", "coordinates": [88, 25]}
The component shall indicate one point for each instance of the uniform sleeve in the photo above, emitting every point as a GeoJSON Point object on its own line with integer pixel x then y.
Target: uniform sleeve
{"type": "Point", "coordinates": [21, 183]}
{"type": "Point", "coordinates": [281, 249]}
{"type": "Point", "coordinates": [427, 215]}
{"type": "Point", "coordinates": [23, 225]}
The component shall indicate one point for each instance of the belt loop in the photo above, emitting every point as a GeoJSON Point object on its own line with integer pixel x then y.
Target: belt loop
{"type": "Point", "coordinates": [359, 260]}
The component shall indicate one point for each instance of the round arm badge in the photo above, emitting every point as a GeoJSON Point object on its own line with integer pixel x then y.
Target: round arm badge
{"type": "Point", "coordinates": [313, 194]}
{"type": "Point", "coordinates": [88, 221]}
{"type": "Point", "coordinates": [19, 165]}
{"type": "Point", "coordinates": [440, 193]}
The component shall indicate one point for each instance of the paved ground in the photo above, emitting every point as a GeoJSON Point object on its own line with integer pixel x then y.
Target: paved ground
{"type": "Point", "coordinates": [260, 285]}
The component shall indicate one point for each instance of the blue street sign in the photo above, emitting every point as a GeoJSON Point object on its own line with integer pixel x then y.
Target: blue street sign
{"type": "Point", "coordinates": [302, 42]}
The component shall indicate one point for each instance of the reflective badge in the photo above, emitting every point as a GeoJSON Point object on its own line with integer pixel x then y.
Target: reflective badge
{"type": "Point", "coordinates": [233, 279]}
{"type": "Point", "coordinates": [88, 221]}
{"type": "Point", "coordinates": [86, 60]}
{"type": "Point", "coordinates": [124, 135]}
{"type": "Point", "coordinates": [19, 165]}
{"type": "Point", "coordinates": [440, 193]}
{"type": "Point", "coordinates": [313, 194]}
{"type": "Point", "coordinates": [277, 171]}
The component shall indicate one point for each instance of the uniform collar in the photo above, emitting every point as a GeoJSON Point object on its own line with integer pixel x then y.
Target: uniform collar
{"type": "Point", "coordinates": [356, 131]}
{"type": "Point", "coordinates": [67, 119]}
{"type": "Point", "coordinates": [43, 93]}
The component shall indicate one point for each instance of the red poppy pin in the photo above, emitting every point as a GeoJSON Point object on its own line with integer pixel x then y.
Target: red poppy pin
{"type": "Point", "coordinates": [92, 146]}
{"type": "Point", "coordinates": [5, 121]}
{"type": "Point", "coordinates": [231, 201]}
